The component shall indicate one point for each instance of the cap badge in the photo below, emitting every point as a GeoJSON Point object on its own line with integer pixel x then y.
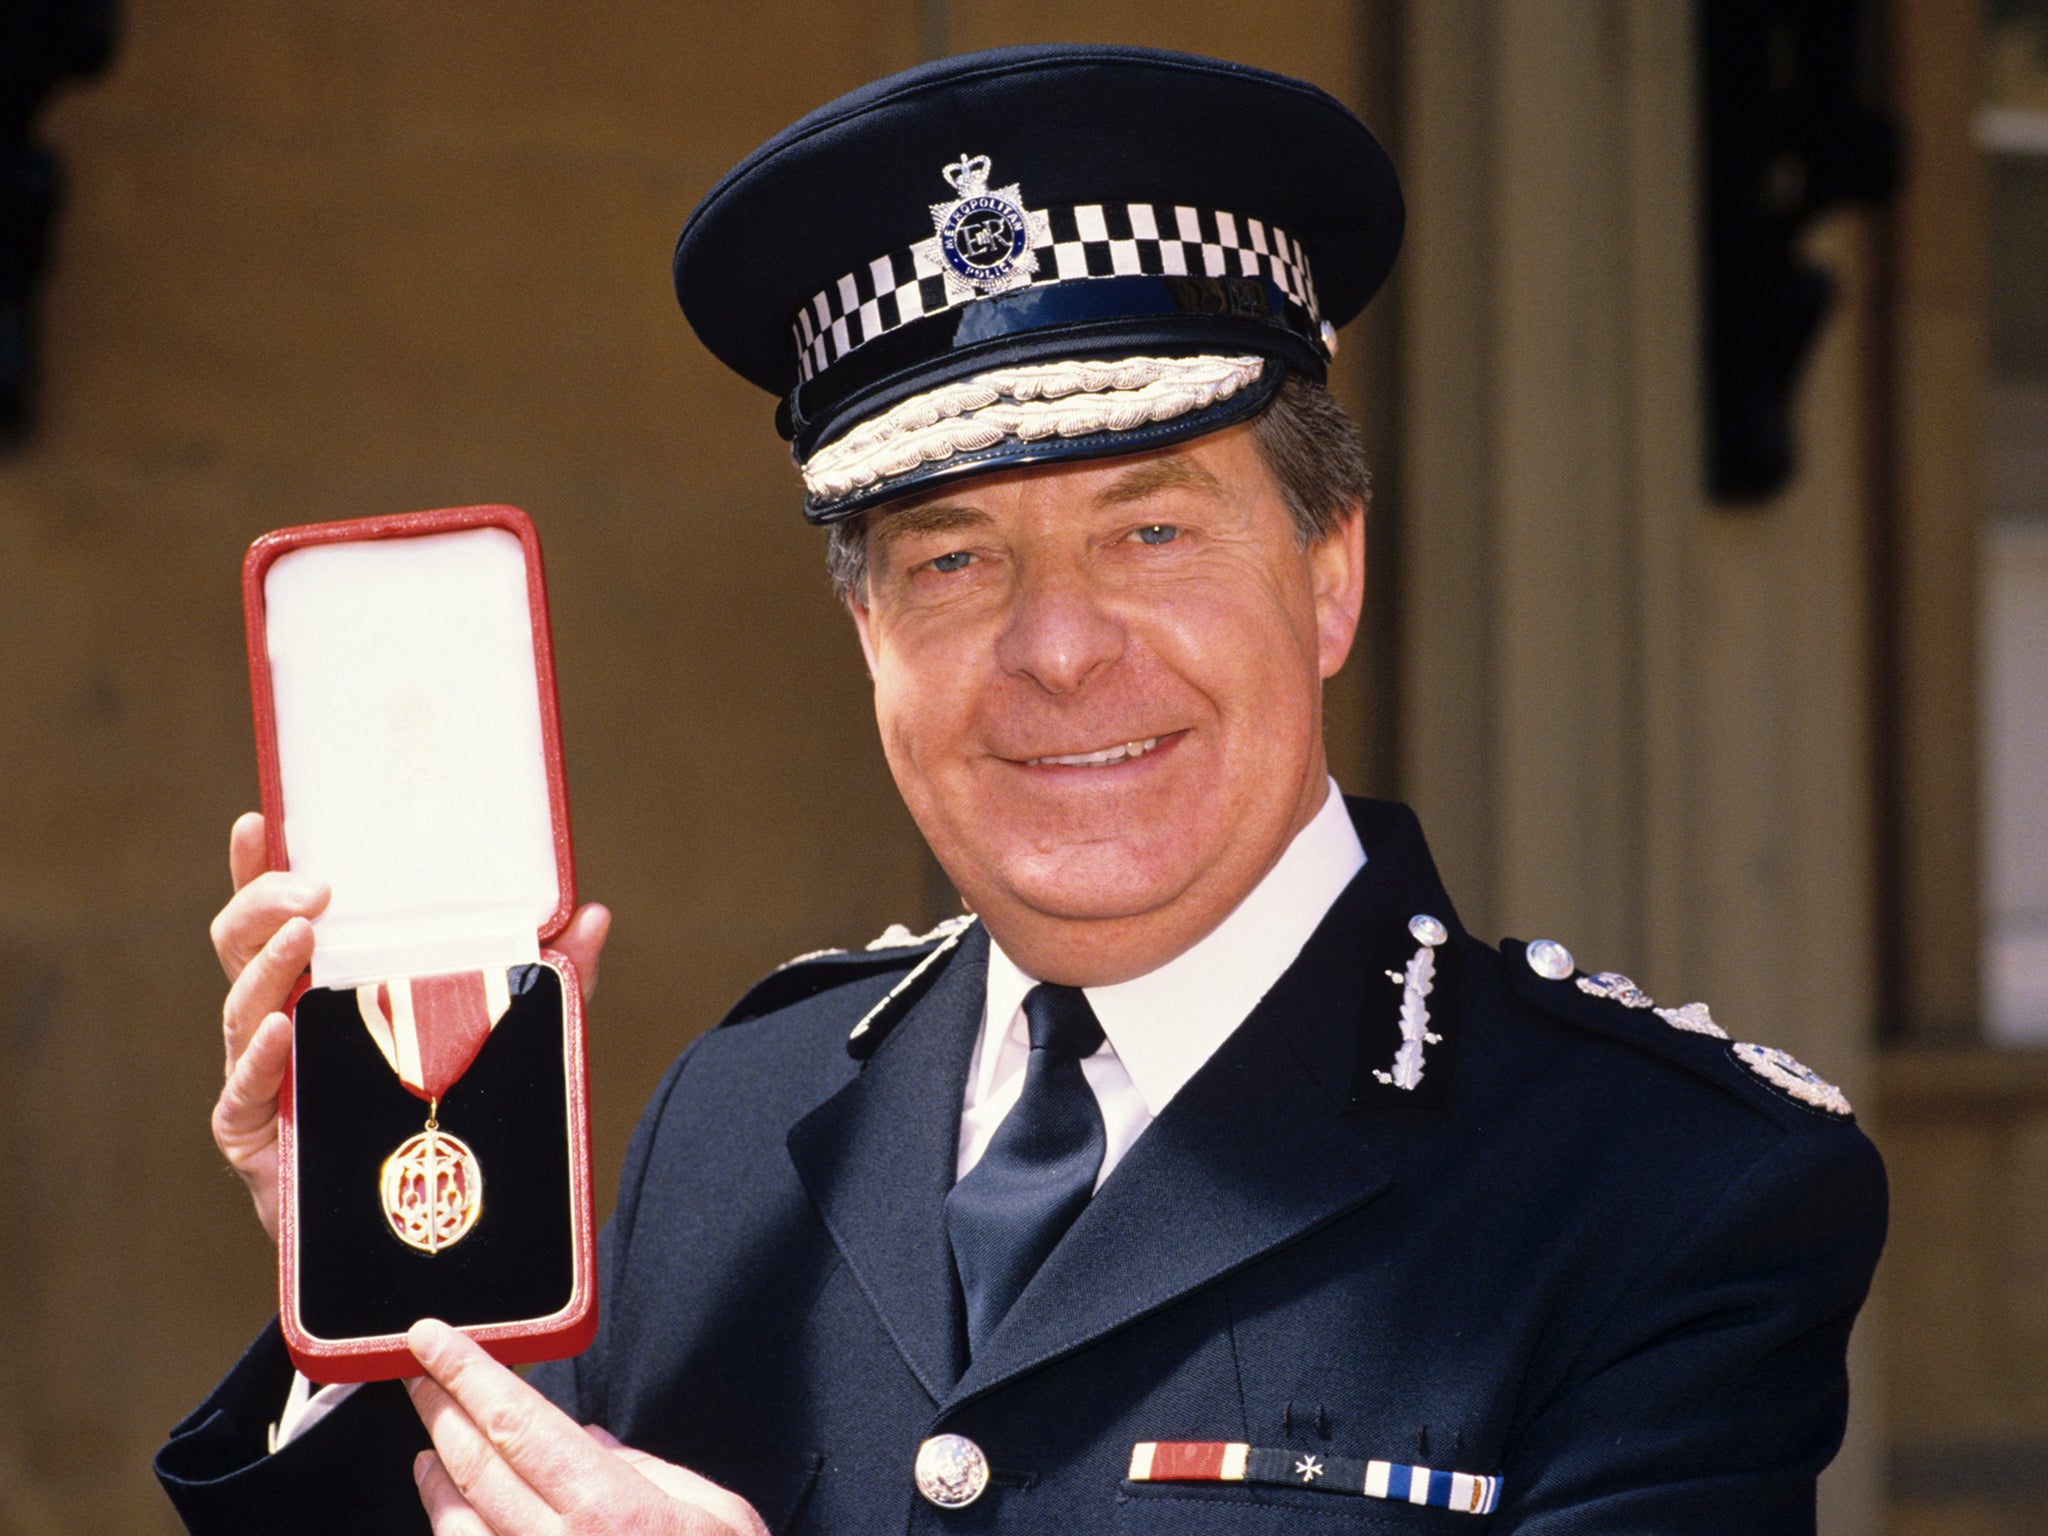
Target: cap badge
{"type": "Point", "coordinates": [985, 237]}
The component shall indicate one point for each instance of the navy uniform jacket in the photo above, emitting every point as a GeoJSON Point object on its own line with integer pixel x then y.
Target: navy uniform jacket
{"type": "Point", "coordinates": [1590, 1253]}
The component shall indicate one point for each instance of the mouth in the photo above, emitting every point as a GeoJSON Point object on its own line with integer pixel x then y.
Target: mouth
{"type": "Point", "coordinates": [1102, 757]}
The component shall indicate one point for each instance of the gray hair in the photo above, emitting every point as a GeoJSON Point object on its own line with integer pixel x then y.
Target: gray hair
{"type": "Point", "coordinates": [1311, 446]}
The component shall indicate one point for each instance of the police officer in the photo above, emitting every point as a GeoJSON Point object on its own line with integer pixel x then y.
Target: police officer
{"type": "Point", "coordinates": [1209, 1176]}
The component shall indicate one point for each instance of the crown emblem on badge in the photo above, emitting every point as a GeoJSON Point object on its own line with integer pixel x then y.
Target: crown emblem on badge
{"type": "Point", "coordinates": [985, 237]}
{"type": "Point", "coordinates": [969, 174]}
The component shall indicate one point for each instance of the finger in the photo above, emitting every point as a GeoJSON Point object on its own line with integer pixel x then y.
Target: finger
{"type": "Point", "coordinates": [583, 942]}
{"type": "Point", "coordinates": [538, 1442]}
{"type": "Point", "coordinates": [264, 985]}
{"type": "Point", "coordinates": [247, 850]}
{"type": "Point", "coordinates": [245, 1115]}
{"type": "Point", "coordinates": [247, 1108]}
{"type": "Point", "coordinates": [254, 913]}
{"type": "Point", "coordinates": [696, 1492]}
{"type": "Point", "coordinates": [448, 1511]}
{"type": "Point", "coordinates": [486, 1482]}
{"type": "Point", "coordinates": [604, 1437]}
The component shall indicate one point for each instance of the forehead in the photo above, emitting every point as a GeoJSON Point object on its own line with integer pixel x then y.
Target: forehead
{"type": "Point", "coordinates": [1225, 468]}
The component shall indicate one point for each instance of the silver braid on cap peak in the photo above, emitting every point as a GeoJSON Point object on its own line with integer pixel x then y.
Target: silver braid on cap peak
{"type": "Point", "coordinates": [1071, 398]}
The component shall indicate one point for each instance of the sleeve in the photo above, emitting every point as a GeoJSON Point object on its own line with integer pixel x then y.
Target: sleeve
{"type": "Point", "coordinates": [1710, 1397]}
{"type": "Point", "coordinates": [353, 1474]}
{"type": "Point", "coordinates": [306, 1406]}
{"type": "Point", "coordinates": [577, 1386]}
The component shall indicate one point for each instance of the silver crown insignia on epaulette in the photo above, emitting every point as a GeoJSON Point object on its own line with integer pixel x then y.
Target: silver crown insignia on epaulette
{"type": "Point", "coordinates": [1780, 1069]}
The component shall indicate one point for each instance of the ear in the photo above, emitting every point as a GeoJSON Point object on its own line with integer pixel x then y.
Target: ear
{"type": "Point", "coordinates": [1337, 566]}
{"type": "Point", "coordinates": [863, 624]}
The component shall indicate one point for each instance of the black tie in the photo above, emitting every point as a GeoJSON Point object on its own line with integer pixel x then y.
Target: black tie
{"type": "Point", "coordinates": [1039, 1169]}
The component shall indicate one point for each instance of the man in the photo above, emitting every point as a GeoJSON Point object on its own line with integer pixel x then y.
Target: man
{"type": "Point", "coordinates": [1209, 1176]}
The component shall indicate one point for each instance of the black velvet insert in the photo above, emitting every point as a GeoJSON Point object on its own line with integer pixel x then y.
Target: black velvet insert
{"type": "Point", "coordinates": [356, 1279]}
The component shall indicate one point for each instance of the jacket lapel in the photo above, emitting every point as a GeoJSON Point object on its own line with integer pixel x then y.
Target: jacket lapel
{"type": "Point", "coordinates": [877, 1159]}
{"type": "Point", "coordinates": [1258, 1150]}
{"type": "Point", "coordinates": [1261, 1148]}
{"type": "Point", "coordinates": [1249, 1156]}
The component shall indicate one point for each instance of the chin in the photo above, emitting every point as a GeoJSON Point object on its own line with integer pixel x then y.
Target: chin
{"type": "Point", "coordinates": [1093, 881]}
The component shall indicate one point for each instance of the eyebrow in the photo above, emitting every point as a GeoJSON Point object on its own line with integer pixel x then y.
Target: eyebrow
{"type": "Point", "coordinates": [1167, 473]}
{"type": "Point", "coordinates": [1170, 473]}
{"type": "Point", "coordinates": [925, 517]}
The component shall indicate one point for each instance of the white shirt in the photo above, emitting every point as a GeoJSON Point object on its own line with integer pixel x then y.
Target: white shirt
{"type": "Point", "coordinates": [1159, 1029]}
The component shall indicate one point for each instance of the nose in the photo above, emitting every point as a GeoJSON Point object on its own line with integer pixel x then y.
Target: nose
{"type": "Point", "coordinates": [1059, 633]}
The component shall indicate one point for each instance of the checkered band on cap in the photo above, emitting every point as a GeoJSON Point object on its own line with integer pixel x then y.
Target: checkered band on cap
{"type": "Point", "coordinates": [1072, 244]}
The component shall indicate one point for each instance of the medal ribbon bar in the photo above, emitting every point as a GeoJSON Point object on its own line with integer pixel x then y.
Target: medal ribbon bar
{"type": "Point", "coordinates": [1220, 1461]}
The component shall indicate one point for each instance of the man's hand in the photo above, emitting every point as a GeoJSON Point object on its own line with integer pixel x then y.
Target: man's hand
{"type": "Point", "coordinates": [264, 937]}
{"type": "Point", "coordinates": [507, 1462]}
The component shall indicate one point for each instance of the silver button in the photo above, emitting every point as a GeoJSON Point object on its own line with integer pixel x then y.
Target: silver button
{"type": "Point", "coordinates": [1329, 336]}
{"type": "Point", "coordinates": [1425, 929]}
{"type": "Point", "coordinates": [1550, 959]}
{"type": "Point", "coordinates": [951, 1471]}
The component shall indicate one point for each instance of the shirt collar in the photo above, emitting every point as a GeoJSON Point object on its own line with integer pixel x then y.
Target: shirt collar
{"type": "Point", "coordinates": [1166, 1024]}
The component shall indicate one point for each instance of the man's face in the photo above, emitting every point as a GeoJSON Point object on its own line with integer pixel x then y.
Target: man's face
{"type": "Point", "coordinates": [1099, 687]}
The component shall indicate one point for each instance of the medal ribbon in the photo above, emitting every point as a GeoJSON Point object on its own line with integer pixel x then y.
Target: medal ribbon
{"type": "Point", "coordinates": [1218, 1461]}
{"type": "Point", "coordinates": [430, 1028]}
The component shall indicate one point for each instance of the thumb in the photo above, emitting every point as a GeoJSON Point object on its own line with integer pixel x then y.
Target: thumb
{"type": "Point", "coordinates": [583, 942]}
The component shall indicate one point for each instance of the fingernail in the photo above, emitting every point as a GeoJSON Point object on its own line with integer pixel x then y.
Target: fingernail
{"type": "Point", "coordinates": [419, 1467]}
{"type": "Point", "coordinates": [286, 936]}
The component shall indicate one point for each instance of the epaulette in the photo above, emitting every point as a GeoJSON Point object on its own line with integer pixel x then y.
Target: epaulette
{"type": "Point", "coordinates": [820, 970]}
{"type": "Point", "coordinates": [1543, 973]}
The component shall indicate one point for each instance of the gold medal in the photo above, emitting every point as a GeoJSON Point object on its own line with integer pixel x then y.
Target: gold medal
{"type": "Point", "coordinates": [433, 1189]}
{"type": "Point", "coordinates": [429, 1028]}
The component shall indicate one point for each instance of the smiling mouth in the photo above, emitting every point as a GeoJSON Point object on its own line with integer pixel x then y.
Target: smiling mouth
{"type": "Point", "coordinates": [1123, 752]}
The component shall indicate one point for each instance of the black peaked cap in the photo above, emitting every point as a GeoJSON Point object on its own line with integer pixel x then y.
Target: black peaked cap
{"type": "Point", "coordinates": [857, 180]}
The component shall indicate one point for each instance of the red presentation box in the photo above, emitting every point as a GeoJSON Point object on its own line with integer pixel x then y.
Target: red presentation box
{"type": "Point", "coordinates": [433, 1148]}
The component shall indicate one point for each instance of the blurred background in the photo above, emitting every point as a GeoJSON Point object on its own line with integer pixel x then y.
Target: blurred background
{"type": "Point", "coordinates": [1708, 627]}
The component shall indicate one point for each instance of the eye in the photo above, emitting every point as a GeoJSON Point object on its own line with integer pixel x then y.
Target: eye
{"type": "Point", "coordinates": [946, 564]}
{"type": "Point", "coordinates": [1156, 533]}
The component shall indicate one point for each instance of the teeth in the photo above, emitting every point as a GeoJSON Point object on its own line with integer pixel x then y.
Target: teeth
{"type": "Point", "coordinates": [1107, 755]}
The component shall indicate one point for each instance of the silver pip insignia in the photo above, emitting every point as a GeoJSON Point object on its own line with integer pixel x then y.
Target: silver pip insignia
{"type": "Point", "coordinates": [1694, 1019]}
{"type": "Point", "coordinates": [1615, 987]}
{"type": "Point", "coordinates": [1785, 1072]}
